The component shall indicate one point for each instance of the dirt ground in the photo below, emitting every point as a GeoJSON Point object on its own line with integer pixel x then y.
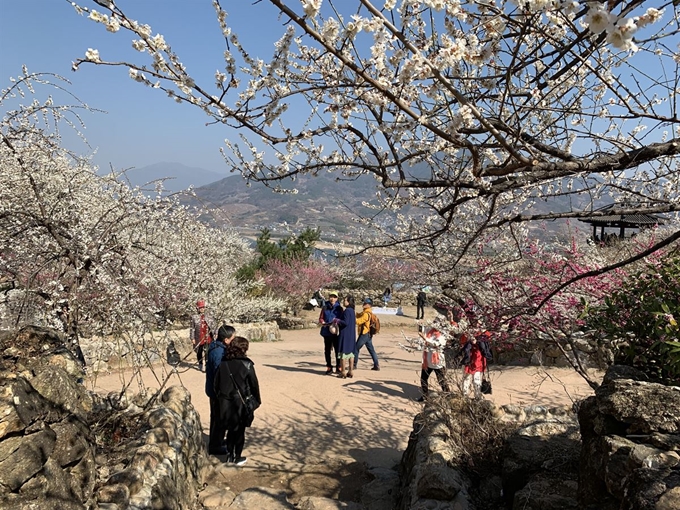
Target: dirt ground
{"type": "Point", "coordinates": [316, 434]}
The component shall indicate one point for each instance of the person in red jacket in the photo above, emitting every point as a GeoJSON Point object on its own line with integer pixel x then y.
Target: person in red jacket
{"type": "Point", "coordinates": [202, 331]}
{"type": "Point", "coordinates": [476, 355]}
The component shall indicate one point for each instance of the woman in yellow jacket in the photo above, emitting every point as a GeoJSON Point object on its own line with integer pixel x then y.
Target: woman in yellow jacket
{"type": "Point", "coordinates": [363, 332]}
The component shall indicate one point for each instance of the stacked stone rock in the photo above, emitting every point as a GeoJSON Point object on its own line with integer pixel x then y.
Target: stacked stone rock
{"type": "Point", "coordinates": [434, 474]}
{"type": "Point", "coordinates": [631, 444]}
{"type": "Point", "coordinates": [105, 354]}
{"type": "Point", "coordinates": [623, 453]}
{"type": "Point", "coordinates": [48, 457]}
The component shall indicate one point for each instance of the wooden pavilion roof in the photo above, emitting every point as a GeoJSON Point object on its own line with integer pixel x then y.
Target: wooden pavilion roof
{"type": "Point", "coordinates": [633, 220]}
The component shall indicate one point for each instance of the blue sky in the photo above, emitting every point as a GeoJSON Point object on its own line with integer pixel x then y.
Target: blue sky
{"type": "Point", "coordinates": [141, 126]}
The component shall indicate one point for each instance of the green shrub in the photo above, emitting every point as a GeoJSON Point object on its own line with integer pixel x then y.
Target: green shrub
{"type": "Point", "coordinates": [642, 317]}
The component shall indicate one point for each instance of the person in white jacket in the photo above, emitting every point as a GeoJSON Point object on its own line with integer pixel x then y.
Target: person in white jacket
{"type": "Point", "coordinates": [434, 342]}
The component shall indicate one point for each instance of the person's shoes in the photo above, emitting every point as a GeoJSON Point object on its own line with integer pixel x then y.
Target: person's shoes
{"type": "Point", "coordinates": [421, 398]}
{"type": "Point", "coordinates": [342, 376]}
{"type": "Point", "coordinates": [350, 375]}
{"type": "Point", "coordinates": [230, 458]}
{"type": "Point", "coordinates": [239, 461]}
{"type": "Point", "coordinates": [337, 370]}
{"type": "Point", "coordinates": [222, 450]}
{"type": "Point", "coordinates": [329, 371]}
{"type": "Point", "coordinates": [200, 367]}
{"type": "Point", "coordinates": [376, 367]}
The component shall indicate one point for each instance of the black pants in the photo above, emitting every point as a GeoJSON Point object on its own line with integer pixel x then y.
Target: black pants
{"type": "Point", "coordinates": [236, 438]}
{"type": "Point", "coordinates": [441, 377]}
{"type": "Point", "coordinates": [217, 430]}
{"type": "Point", "coordinates": [420, 310]}
{"type": "Point", "coordinates": [331, 343]}
{"type": "Point", "coordinates": [199, 353]}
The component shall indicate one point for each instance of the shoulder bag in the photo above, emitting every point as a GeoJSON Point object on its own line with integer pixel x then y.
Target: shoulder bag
{"type": "Point", "coordinates": [486, 382]}
{"type": "Point", "coordinates": [249, 402]}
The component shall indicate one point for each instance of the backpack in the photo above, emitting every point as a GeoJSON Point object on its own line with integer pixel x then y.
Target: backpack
{"type": "Point", "coordinates": [374, 326]}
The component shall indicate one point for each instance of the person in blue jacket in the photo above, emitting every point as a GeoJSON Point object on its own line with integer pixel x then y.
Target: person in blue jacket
{"type": "Point", "coordinates": [215, 354]}
{"type": "Point", "coordinates": [330, 311]}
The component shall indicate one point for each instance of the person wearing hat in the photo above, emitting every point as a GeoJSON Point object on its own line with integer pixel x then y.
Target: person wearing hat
{"type": "Point", "coordinates": [363, 331]}
{"type": "Point", "coordinates": [202, 330]}
{"type": "Point", "coordinates": [329, 313]}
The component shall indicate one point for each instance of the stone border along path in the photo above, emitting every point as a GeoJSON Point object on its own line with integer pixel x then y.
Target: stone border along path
{"type": "Point", "coordinates": [311, 419]}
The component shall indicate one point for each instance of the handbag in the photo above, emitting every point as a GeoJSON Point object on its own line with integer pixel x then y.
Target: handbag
{"type": "Point", "coordinates": [334, 329]}
{"type": "Point", "coordinates": [486, 383]}
{"type": "Point", "coordinates": [250, 402]}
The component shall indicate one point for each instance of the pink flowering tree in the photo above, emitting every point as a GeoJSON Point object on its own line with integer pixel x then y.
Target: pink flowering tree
{"type": "Point", "coordinates": [549, 295]}
{"type": "Point", "coordinates": [295, 280]}
{"type": "Point", "coordinates": [642, 316]}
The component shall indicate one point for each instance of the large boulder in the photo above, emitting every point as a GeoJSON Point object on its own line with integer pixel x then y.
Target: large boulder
{"type": "Point", "coordinates": [540, 459]}
{"type": "Point", "coordinates": [46, 445]}
{"type": "Point", "coordinates": [631, 438]}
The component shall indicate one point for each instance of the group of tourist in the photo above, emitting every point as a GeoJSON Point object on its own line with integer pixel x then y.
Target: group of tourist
{"type": "Point", "coordinates": [467, 343]}
{"type": "Point", "coordinates": [230, 383]}
{"type": "Point", "coordinates": [345, 331]}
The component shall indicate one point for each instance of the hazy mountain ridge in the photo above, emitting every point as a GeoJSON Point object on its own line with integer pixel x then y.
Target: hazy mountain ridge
{"type": "Point", "coordinates": [321, 201]}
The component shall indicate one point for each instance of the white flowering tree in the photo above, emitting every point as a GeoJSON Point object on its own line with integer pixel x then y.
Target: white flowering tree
{"type": "Point", "coordinates": [467, 111]}
{"type": "Point", "coordinates": [99, 257]}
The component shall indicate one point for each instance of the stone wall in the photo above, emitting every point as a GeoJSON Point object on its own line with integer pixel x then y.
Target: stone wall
{"type": "Point", "coordinates": [433, 468]}
{"type": "Point", "coordinates": [62, 447]}
{"type": "Point", "coordinates": [105, 354]}
{"type": "Point", "coordinates": [544, 351]}
{"type": "Point", "coordinates": [631, 444]}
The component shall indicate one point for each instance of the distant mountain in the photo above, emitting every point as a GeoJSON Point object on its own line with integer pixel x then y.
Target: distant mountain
{"type": "Point", "coordinates": [177, 177]}
{"type": "Point", "coordinates": [321, 201]}
{"type": "Point", "coordinates": [330, 204]}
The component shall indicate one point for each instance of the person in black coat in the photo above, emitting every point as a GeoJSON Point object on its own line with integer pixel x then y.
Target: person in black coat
{"type": "Point", "coordinates": [421, 299]}
{"type": "Point", "coordinates": [235, 382]}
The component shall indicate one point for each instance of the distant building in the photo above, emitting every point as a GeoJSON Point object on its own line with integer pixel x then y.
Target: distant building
{"type": "Point", "coordinates": [614, 216]}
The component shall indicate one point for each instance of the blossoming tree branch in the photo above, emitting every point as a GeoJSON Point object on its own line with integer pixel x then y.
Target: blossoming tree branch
{"type": "Point", "coordinates": [94, 257]}
{"type": "Point", "coordinates": [466, 112]}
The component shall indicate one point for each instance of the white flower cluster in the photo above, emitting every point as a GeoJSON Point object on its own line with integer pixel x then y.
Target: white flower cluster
{"type": "Point", "coordinates": [117, 256]}
{"type": "Point", "coordinates": [619, 31]}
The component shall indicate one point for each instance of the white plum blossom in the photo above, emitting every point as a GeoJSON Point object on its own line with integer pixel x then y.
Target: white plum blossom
{"type": "Point", "coordinates": [311, 7]}
{"type": "Point", "coordinates": [652, 15]}
{"type": "Point", "coordinates": [621, 35]}
{"type": "Point", "coordinates": [437, 5]}
{"type": "Point", "coordinates": [92, 55]}
{"type": "Point", "coordinates": [136, 75]}
{"type": "Point", "coordinates": [159, 42]}
{"type": "Point", "coordinates": [598, 19]}
{"type": "Point", "coordinates": [98, 16]}
{"type": "Point", "coordinates": [139, 45]}
{"type": "Point", "coordinates": [113, 25]}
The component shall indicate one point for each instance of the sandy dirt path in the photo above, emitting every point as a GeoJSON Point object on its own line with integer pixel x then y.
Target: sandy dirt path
{"type": "Point", "coordinates": [308, 417]}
